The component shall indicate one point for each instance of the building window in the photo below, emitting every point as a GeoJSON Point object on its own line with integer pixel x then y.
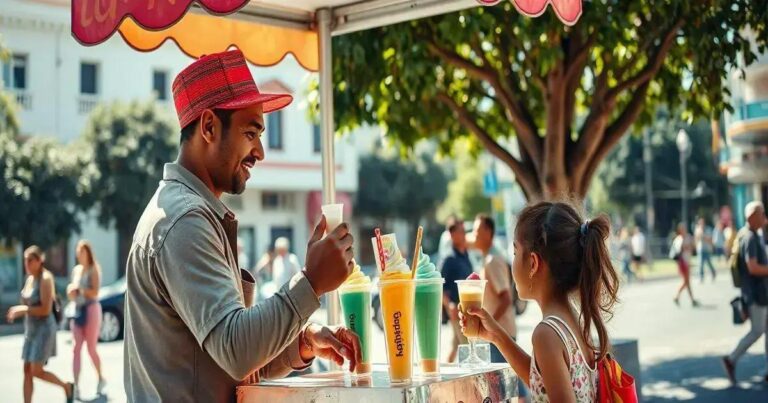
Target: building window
{"type": "Point", "coordinates": [316, 140]}
{"type": "Point", "coordinates": [89, 76]}
{"type": "Point", "coordinates": [275, 130]}
{"type": "Point", "coordinates": [15, 72]}
{"type": "Point", "coordinates": [271, 201]}
{"type": "Point", "coordinates": [15, 79]}
{"type": "Point", "coordinates": [160, 84]}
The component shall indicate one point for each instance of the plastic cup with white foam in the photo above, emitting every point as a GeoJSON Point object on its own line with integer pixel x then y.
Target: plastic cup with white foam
{"type": "Point", "coordinates": [333, 216]}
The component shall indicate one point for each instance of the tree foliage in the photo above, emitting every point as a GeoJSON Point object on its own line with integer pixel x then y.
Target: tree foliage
{"type": "Point", "coordinates": [564, 95]}
{"type": "Point", "coordinates": [40, 188]}
{"type": "Point", "coordinates": [130, 144]}
{"type": "Point", "coordinates": [392, 188]}
{"type": "Point", "coordinates": [41, 192]}
{"type": "Point", "coordinates": [465, 192]}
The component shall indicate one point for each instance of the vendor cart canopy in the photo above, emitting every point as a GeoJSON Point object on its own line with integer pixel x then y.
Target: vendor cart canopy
{"type": "Point", "coordinates": [265, 30]}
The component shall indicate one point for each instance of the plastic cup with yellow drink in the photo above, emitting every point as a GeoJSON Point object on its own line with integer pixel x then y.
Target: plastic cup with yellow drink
{"type": "Point", "coordinates": [471, 292]}
{"type": "Point", "coordinates": [396, 290]}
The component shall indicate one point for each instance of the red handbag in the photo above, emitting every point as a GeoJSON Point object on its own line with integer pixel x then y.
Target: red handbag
{"type": "Point", "coordinates": [615, 385]}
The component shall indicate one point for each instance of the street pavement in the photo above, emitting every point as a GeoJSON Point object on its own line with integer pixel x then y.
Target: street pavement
{"type": "Point", "coordinates": [680, 349]}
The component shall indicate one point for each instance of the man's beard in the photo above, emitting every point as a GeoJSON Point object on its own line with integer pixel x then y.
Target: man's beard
{"type": "Point", "coordinates": [238, 185]}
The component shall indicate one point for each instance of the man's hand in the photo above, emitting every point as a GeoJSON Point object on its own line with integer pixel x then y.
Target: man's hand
{"type": "Point", "coordinates": [16, 312]}
{"type": "Point", "coordinates": [329, 259]}
{"type": "Point", "coordinates": [335, 343]}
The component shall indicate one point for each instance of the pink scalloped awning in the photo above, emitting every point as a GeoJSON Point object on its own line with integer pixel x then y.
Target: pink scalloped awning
{"type": "Point", "coordinates": [568, 11]}
{"type": "Point", "coordinates": [147, 24]}
{"type": "Point", "coordinates": [94, 21]}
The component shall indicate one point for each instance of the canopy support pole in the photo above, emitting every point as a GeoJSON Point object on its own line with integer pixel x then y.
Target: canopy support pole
{"type": "Point", "coordinates": [324, 21]}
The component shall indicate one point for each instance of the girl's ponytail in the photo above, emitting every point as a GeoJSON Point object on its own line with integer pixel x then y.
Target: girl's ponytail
{"type": "Point", "coordinates": [598, 282]}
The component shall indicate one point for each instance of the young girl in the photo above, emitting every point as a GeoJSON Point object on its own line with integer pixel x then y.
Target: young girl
{"type": "Point", "coordinates": [561, 262]}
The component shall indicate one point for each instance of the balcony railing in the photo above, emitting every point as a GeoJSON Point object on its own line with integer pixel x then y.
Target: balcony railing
{"type": "Point", "coordinates": [752, 110]}
{"type": "Point", "coordinates": [23, 98]}
{"type": "Point", "coordinates": [86, 103]}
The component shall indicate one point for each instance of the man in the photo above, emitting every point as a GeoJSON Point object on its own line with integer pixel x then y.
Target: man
{"type": "Point", "coordinates": [191, 332]}
{"type": "Point", "coordinates": [753, 269]}
{"type": "Point", "coordinates": [455, 266]}
{"type": "Point", "coordinates": [286, 264]}
{"type": "Point", "coordinates": [637, 244]}
{"type": "Point", "coordinates": [703, 237]}
{"type": "Point", "coordinates": [498, 292]}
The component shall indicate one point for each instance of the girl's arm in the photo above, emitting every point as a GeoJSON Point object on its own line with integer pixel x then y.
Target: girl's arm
{"type": "Point", "coordinates": [46, 297]}
{"type": "Point", "coordinates": [92, 292]}
{"type": "Point", "coordinates": [552, 361]}
{"type": "Point", "coordinates": [517, 358]}
{"type": "Point", "coordinates": [490, 330]}
{"type": "Point", "coordinates": [73, 288]}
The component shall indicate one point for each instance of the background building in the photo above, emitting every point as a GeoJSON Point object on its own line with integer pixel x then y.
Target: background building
{"type": "Point", "coordinates": [746, 158]}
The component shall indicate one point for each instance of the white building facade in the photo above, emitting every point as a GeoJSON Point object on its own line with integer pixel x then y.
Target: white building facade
{"type": "Point", "coordinates": [57, 82]}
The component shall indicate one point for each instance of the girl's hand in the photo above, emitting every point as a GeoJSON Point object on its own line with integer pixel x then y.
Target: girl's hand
{"type": "Point", "coordinates": [488, 329]}
{"type": "Point", "coordinates": [16, 312]}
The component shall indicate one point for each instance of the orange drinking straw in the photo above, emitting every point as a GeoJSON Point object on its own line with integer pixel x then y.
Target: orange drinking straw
{"type": "Point", "coordinates": [381, 249]}
{"type": "Point", "coordinates": [416, 250]}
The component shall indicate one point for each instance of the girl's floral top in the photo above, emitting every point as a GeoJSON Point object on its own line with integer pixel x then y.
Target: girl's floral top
{"type": "Point", "coordinates": [583, 378]}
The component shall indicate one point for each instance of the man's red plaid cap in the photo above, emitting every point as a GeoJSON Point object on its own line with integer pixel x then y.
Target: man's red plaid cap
{"type": "Point", "coordinates": [220, 81]}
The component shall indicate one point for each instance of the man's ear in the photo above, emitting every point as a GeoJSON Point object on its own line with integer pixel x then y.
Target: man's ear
{"type": "Point", "coordinates": [208, 121]}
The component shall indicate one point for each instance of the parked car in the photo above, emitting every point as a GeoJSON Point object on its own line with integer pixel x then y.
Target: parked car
{"type": "Point", "coordinates": [112, 299]}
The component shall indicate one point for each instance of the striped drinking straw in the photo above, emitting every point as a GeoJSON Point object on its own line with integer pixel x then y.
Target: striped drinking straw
{"type": "Point", "coordinates": [381, 249]}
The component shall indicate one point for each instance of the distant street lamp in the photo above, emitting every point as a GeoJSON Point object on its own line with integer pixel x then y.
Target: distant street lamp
{"type": "Point", "coordinates": [683, 145]}
{"type": "Point", "coordinates": [650, 213]}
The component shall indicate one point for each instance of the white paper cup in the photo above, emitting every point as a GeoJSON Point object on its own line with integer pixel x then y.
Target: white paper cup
{"type": "Point", "coordinates": [333, 216]}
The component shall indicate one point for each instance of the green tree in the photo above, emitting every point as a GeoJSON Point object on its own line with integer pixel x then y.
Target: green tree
{"type": "Point", "coordinates": [40, 188]}
{"type": "Point", "coordinates": [41, 192]}
{"type": "Point", "coordinates": [8, 120]}
{"type": "Point", "coordinates": [465, 192]}
{"type": "Point", "coordinates": [623, 173]}
{"type": "Point", "coordinates": [564, 96]}
{"type": "Point", "coordinates": [392, 188]}
{"type": "Point", "coordinates": [130, 144]}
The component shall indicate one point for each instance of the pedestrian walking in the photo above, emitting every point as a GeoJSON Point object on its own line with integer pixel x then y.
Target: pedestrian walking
{"type": "Point", "coordinates": [729, 234]}
{"type": "Point", "coordinates": [455, 266]}
{"type": "Point", "coordinates": [625, 254]}
{"type": "Point", "coordinates": [559, 255]}
{"type": "Point", "coordinates": [40, 325]}
{"type": "Point", "coordinates": [680, 252]}
{"type": "Point", "coordinates": [704, 248]}
{"type": "Point", "coordinates": [753, 271]}
{"type": "Point", "coordinates": [718, 241]}
{"type": "Point", "coordinates": [286, 264]}
{"type": "Point", "coordinates": [84, 292]}
{"type": "Point", "coordinates": [638, 244]}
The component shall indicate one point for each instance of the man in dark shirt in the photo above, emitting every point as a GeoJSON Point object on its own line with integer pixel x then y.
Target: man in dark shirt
{"type": "Point", "coordinates": [753, 268]}
{"type": "Point", "coordinates": [455, 266]}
